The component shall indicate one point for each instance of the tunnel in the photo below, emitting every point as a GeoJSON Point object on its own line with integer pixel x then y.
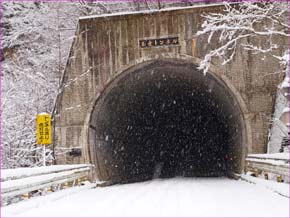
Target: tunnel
{"type": "Point", "coordinates": [165, 119]}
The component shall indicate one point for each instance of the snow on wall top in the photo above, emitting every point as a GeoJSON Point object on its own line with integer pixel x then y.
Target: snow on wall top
{"type": "Point", "coordinates": [150, 11]}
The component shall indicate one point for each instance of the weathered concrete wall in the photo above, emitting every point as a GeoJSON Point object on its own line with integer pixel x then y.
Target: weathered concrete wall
{"type": "Point", "coordinates": [106, 46]}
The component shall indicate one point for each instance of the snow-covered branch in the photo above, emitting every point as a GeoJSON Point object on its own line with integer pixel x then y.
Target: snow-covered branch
{"type": "Point", "coordinates": [240, 24]}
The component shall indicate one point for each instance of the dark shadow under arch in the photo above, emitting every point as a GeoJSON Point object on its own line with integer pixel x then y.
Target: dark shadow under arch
{"type": "Point", "coordinates": [166, 119]}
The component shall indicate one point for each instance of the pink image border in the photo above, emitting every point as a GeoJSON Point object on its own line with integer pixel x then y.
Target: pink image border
{"type": "Point", "coordinates": [67, 1]}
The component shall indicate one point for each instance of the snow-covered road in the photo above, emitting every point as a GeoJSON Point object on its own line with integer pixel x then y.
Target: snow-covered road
{"type": "Point", "coordinates": [195, 197]}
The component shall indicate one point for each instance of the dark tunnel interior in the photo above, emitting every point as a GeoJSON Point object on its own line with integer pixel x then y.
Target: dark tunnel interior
{"type": "Point", "coordinates": [166, 119]}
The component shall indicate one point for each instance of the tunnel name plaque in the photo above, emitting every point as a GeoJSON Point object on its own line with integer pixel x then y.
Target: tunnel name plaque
{"type": "Point", "coordinates": [148, 43]}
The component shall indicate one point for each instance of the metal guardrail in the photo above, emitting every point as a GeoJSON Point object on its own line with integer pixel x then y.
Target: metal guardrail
{"type": "Point", "coordinates": [26, 181]}
{"type": "Point", "coordinates": [259, 164]}
{"type": "Point", "coordinates": [284, 157]}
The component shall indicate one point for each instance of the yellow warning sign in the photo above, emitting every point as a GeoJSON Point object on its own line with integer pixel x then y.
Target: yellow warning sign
{"type": "Point", "coordinates": [43, 129]}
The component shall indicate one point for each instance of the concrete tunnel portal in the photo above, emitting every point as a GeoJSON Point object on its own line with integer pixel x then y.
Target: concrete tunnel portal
{"type": "Point", "coordinates": [165, 119]}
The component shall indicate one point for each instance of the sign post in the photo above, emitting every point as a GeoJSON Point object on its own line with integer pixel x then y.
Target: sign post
{"type": "Point", "coordinates": [43, 132]}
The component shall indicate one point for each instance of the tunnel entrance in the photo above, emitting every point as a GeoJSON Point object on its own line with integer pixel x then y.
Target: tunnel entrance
{"type": "Point", "coordinates": [165, 119]}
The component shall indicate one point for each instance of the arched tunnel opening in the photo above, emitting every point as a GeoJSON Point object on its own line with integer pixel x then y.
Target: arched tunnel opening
{"type": "Point", "coordinates": [165, 119]}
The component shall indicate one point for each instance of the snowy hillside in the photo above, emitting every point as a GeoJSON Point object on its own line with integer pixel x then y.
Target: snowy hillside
{"type": "Point", "coordinates": [278, 130]}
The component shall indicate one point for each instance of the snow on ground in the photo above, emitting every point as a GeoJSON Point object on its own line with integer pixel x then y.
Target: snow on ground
{"type": "Point", "coordinates": [36, 202]}
{"type": "Point", "coordinates": [280, 188]}
{"type": "Point", "coordinates": [195, 197]}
